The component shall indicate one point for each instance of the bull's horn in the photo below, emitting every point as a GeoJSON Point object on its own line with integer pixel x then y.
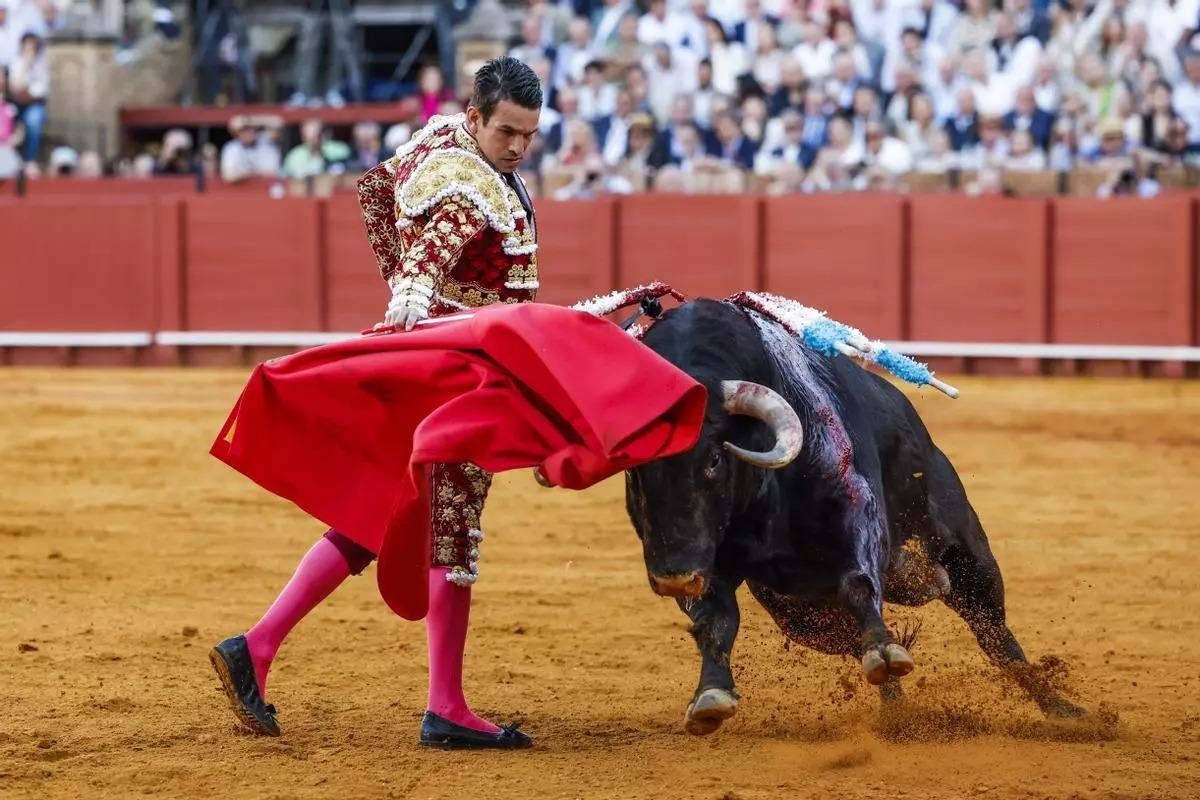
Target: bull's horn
{"type": "Point", "coordinates": [763, 403]}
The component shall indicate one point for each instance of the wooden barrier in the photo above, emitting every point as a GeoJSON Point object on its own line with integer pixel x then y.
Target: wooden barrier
{"type": "Point", "coordinates": [356, 296]}
{"type": "Point", "coordinates": [978, 269]}
{"type": "Point", "coordinates": [111, 187]}
{"type": "Point", "coordinates": [929, 268]}
{"type": "Point", "coordinates": [704, 245]}
{"type": "Point", "coordinates": [252, 264]}
{"type": "Point", "coordinates": [576, 241]}
{"type": "Point", "coordinates": [843, 254]}
{"type": "Point", "coordinates": [78, 265]}
{"type": "Point", "coordinates": [1124, 271]}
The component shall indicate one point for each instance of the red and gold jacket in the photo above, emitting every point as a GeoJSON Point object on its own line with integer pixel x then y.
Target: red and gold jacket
{"type": "Point", "coordinates": [446, 228]}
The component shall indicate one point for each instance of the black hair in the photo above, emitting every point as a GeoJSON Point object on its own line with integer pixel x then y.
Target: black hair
{"type": "Point", "coordinates": [720, 28]}
{"type": "Point", "coordinates": [505, 78]}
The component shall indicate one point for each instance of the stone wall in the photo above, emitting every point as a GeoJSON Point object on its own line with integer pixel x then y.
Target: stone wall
{"type": "Point", "coordinates": [89, 84]}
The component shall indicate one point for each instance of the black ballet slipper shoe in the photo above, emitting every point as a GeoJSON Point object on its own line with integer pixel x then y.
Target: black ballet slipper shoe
{"type": "Point", "coordinates": [443, 734]}
{"type": "Point", "coordinates": [231, 660]}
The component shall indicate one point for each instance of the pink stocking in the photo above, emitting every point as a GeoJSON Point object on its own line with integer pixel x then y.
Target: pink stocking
{"type": "Point", "coordinates": [446, 623]}
{"type": "Point", "coordinates": [322, 570]}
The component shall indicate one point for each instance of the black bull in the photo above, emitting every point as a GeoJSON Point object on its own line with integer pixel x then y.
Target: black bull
{"type": "Point", "coordinates": [823, 528]}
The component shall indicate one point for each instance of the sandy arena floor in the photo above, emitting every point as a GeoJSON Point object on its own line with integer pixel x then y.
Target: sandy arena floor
{"type": "Point", "coordinates": [127, 551]}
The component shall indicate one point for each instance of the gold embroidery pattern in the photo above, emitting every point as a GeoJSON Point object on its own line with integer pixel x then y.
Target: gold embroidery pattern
{"type": "Point", "coordinates": [445, 173]}
{"type": "Point", "coordinates": [435, 250]}
{"type": "Point", "coordinates": [459, 494]}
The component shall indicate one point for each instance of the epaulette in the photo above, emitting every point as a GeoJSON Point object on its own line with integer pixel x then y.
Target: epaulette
{"type": "Point", "coordinates": [447, 169]}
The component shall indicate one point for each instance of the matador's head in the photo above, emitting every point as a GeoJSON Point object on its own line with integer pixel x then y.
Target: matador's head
{"type": "Point", "coordinates": [504, 110]}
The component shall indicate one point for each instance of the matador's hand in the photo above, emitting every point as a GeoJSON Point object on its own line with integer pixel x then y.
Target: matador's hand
{"type": "Point", "coordinates": [405, 311]}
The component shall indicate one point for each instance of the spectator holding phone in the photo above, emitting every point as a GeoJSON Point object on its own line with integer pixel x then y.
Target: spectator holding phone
{"type": "Point", "coordinates": [29, 84]}
{"type": "Point", "coordinates": [254, 149]}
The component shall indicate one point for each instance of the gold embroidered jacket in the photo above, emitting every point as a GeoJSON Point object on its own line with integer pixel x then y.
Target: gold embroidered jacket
{"type": "Point", "coordinates": [445, 227]}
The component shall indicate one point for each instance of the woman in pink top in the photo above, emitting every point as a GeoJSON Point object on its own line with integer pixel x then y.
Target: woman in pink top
{"type": "Point", "coordinates": [432, 91]}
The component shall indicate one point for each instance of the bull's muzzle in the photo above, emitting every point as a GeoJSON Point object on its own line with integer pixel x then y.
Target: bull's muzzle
{"type": "Point", "coordinates": [687, 584]}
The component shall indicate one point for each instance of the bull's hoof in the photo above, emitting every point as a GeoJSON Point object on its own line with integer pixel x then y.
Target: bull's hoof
{"type": "Point", "coordinates": [710, 708]}
{"type": "Point", "coordinates": [880, 662]}
{"type": "Point", "coordinates": [875, 669]}
{"type": "Point", "coordinates": [900, 663]}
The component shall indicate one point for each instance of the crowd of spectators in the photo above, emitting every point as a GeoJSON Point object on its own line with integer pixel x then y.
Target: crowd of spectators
{"type": "Point", "coordinates": [774, 95]}
{"type": "Point", "coordinates": [853, 94]}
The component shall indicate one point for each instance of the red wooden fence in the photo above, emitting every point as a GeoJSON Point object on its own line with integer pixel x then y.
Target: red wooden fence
{"type": "Point", "coordinates": [928, 268]}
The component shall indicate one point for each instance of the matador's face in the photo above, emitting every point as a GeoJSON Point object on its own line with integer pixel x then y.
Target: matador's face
{"type": "Point", "coordinates": [506, 135]}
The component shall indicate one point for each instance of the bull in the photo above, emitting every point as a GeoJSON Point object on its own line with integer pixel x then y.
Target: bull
{"type": "Point", "coordinates": [814, 482]}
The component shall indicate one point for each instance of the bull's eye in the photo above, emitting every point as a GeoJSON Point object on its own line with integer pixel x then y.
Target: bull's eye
{"type": "Point", "coordinates": [714, 463]}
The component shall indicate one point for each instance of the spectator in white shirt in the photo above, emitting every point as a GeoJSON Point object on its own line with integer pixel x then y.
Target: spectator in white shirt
{"type": "Point", "coordinates": [1014, 56]}
{"type": "Point", "coordinates": [943, 88]}
{"type": "Point", "coordinates": [612, 132]}
{"type": "Point", "coordinates": [1186, 97]}
{"type": "Point", "coordinates": [685, 29]}
{"type": "Point", "coordinates": [934, 19]}
{"type": "Point", "coordinates": [746, 30]}
{"type": "Point", "coordinates": [42, 17]}
{"type": "Point", "coordinates": [845, 37]}
{"type": "Point", "coordinates": [992, 149]}
{"type": "Point", "coordinates": [607, 18]}
{"type": "Point", "coordinates": [756, 119]}
{"type": "Point", "coordinates": [993, 93]}
{"type": "Point", "coordinates": [885, 152]}
{"type": "Point", "coordinates": [574, 54]}
{"type": "Point", "coordinates": [29, 85]}
{"type": "Point", "coordinates": [1126, 59]}
{"type": "Point", "coordinates": [791, 148]}
{"type": "Point", "coordinates": [597, 97]}
{"type": "Point", "coordinates": [864, 110]}
{"type": "Point", "coordinates": [652, 26]}
{"type": "Point", "coordinates": [1023, 155]}
{"type": "Point", "coordinates": [845, 79]}
{"type": "Point", "coordinates": [974, 28]}
{"type": "Point", "coordinates": [920, 129]}
{"type": "Point", "coordinates": [906, 85]}
{"type": "Point", "coordinates": [253, 151]}
{"type": "Point", "coordinates": [628, 49]}
{"type": "Point", "coordinates": [670, 73]}
{"type": "Point", "coordinates": [940, 159]}
{"type": "Point", "coordinates": [1046, 89]}
{"type": "Point", "coordinates": [1166, 22]}
{"type": "Point", "coordinates": [728, 59]}
{"type": "Point", "coordinates": [706, 95]}
{"type": "Point", "coordinates": [768, 60]}
{"type": "Point", "coordinates": [8, 34]}
{"type": "Point", "coordinates": [829, 170]}
{"type": "Point", "coordinates": [531, 46]}
{"type": "Point", "coordinates": [816, 52]}
{"type": "Point", "coordinates": [921, 56]}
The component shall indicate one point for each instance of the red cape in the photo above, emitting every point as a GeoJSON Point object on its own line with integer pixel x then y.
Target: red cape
{"type": "Point", "coordinates": [345, 431]}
